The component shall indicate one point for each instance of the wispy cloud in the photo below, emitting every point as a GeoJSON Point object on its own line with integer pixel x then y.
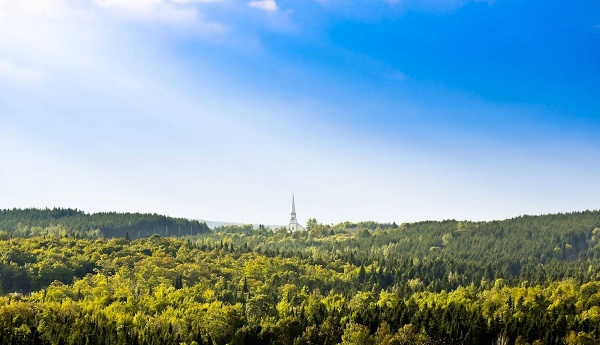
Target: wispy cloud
{"type": "Point", "coordinates": [48, 8]}
{"type": "Point", "coordinates": [179, 12]}
{"type": "Point", "coordinates": [434, 4]}
{"type": "Point", "coordinates": [265, 5]}
{"type": "Point", "coordinates": [397, 76]}
{"type": "Point", "coordinates": [176, 13]}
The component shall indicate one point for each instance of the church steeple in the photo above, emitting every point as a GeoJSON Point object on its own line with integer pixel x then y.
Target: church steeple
{"type": "Point", "coordinates": [293, 218]}
{"type": "Point", "coordinates": [294, 226]}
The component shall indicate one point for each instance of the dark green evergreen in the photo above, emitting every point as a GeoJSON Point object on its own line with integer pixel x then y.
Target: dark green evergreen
{"type": "Point", "coordinates": [25, 222]}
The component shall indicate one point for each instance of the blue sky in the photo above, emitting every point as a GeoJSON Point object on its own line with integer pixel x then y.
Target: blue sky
{"type": "Point", "coordinates": [366, 110]}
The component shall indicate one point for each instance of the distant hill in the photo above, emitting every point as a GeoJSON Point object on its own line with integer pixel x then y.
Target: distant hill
{"type": "Point", "coordinates": [23, 222]}
{"type": "Point", "coordinates": [214, 224]}
{"type": "Point", "coordinates": [445, 254]}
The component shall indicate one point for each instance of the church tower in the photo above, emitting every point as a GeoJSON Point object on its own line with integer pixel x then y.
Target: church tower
{"type": "Point", "coordinates": [294, 226]}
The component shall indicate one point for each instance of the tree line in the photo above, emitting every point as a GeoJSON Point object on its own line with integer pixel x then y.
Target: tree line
{"type": "Point", "coordinates": [32, 221]}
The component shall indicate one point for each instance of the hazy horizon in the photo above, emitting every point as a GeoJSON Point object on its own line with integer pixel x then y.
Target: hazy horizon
{"type": "Point", "coordinates": [211, 223]}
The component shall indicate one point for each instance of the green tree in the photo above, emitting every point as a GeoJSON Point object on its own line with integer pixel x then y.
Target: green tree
{"type": "Point", "coordinates": [357, 334]}
{"type": "Point", "coordinates": [311, 223]}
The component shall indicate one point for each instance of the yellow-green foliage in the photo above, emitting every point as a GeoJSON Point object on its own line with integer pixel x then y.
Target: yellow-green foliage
{"type": "Point", "coordinates": [263, 287]}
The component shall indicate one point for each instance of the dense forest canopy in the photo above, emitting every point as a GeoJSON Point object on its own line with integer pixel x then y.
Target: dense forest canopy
{"type": "Point", "coordinates": [531, 279]}
{"type": "Point", "coordinates": [24, 222]}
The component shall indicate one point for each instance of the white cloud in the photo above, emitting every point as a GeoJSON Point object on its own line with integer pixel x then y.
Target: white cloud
{"type": "Point", "coordinates": [188, 14]}
{"type": "Point", "coordinates": [193, 1]}
{"type": "Point", "coordinates": [133, 5]}
{"type": "Point", "coordinates": [53, 9]}
{"type": "Point", "coordinates": [434, 4]}
{"type": "Point", "coordinates": [265, 5]}
{"type": "Point", "coordinates": [48, 8]}
{"type": "Point", "coordinates": [171, 11]}
{"type": "Point", "coordinates": [175, 13]}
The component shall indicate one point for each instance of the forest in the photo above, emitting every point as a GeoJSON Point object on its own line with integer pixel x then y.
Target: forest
{"type": "Point", "coordinates": [27, 222]}
{"type": "Point", "coordinates": [526, 280]}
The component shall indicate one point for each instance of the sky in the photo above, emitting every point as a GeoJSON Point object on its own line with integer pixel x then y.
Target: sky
{"type": "Point", "coordinates": [397, 110]}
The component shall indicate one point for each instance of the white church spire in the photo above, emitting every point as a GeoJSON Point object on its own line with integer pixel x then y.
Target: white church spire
{"type": "Point", "coordinates": [293, 209]}
{"type": "Point", "coordinates": [294, 226]}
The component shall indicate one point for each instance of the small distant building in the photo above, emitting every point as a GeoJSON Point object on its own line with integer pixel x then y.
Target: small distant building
{"type": "Point", "coordinates": [294, 225]}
